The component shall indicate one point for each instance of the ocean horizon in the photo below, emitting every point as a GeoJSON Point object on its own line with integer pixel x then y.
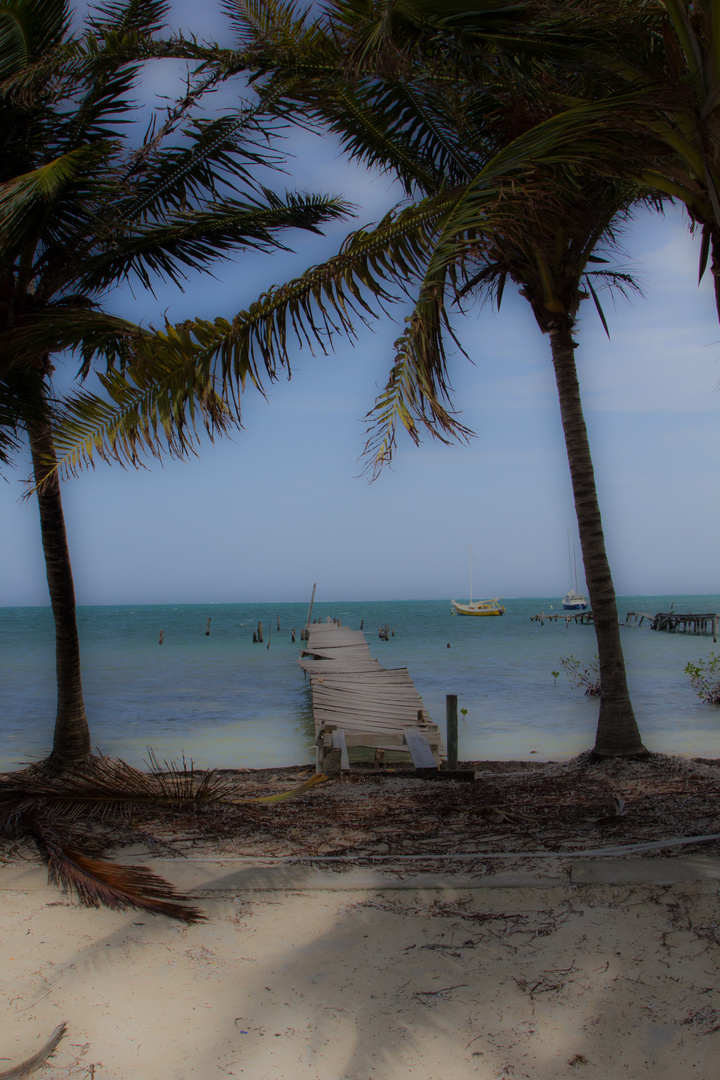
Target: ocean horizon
{"type": "Point", "coordinates": [222, 701]}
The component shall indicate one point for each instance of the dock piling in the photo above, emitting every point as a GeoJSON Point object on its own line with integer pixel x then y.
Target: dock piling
{"type": "Point", "coordinates": [451, 713]}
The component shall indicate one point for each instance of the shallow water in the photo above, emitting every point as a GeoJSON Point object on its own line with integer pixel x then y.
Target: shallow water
{"type": "Point", "coordinates": [223, 701]}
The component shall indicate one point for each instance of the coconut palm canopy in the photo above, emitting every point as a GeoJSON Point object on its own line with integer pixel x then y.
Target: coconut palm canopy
{"type": "Point", "coordinates": [495, 157]}
{"type": "Point", "coordinates": [523, 135]}
{"type": "Point", "coordinates": [86, 203]}
{"type": "Point", "coordinates": [520, 135]}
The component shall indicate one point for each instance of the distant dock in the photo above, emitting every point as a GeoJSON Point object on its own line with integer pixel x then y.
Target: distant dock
{"type": "Point", "coordinates": [357, 702]}
{"type": "Point", "coordinates": [584, 618]}
{"type": "Point", "coordinates": [705, 622]}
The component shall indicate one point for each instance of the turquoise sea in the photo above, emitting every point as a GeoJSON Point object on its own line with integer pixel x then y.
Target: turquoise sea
{"type": "Point", "coordinates": [226, 702]}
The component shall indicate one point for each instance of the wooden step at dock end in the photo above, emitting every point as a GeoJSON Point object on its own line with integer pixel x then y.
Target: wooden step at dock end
{"type": "Point", "coordinates": [420, 751]}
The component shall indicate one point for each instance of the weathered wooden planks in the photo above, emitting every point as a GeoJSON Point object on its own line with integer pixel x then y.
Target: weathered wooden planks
{"type": "Point", "coordinates": [357, 702]}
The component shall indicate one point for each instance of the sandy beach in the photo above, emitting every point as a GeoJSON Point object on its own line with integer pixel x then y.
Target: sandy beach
{"type": "Point", "coordinates": [596, 981]}
{"type": "Point", "coordinates": [435, 969]}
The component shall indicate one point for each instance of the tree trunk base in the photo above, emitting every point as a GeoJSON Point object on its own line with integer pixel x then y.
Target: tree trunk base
{"type": "Point", "coordinates": [55, 764]}
{"type": "Point", "coordinates": [632, 755]}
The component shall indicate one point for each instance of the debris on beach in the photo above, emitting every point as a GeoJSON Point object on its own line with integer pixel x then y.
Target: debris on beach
{"type": "Point", "coordinates": [70, 817]}
{"type": "Point", "coordinates": [387, 814]}
{"type": "Point", "coordinates": [32, 1064]}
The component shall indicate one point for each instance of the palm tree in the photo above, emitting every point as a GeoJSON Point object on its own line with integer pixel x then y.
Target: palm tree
{"type": "Point", "coordinates": [482, 144]}
{"type": "Point", "coordinates": [552, 263]}
{"type": "Point", "coordinates": [580, 106]}
{"type": "Point", "coordinates": [82, 208]}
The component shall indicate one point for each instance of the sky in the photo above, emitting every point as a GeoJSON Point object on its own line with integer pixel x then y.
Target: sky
{"type": "Point", "coordinates": [283, 503]}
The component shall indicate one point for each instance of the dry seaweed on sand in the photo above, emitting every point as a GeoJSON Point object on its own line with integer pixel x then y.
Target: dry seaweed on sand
{"type": "Point", "coordinates": [557, 807]}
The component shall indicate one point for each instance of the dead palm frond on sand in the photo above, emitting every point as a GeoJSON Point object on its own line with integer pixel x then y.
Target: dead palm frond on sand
{"type": "Point", "coordinates": [62, 814]}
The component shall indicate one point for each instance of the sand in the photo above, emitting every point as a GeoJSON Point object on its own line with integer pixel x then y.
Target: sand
{"type": "Point", "coordinates": [528, 968]}
{"type": "Point", "coordinates": [546, 980]}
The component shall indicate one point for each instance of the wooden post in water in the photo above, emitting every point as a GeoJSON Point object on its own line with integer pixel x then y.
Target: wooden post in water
{"type": "Point", "coordinates": [260, 632]}
{"type": "Point", "coordinates": [312, 601]}
{"type": "Point", "coordinates": [207, 629]}
{"type": "Point", "coordinates": [278, 622]}
{"type": "Point", "coordinates": [293, 636]}
{"type": "Point", "coordinates": [269, 636]}
{"type": "Point", "coordinates": [451, 712]}
{"type": "Point", "coordinates": [162, 635]}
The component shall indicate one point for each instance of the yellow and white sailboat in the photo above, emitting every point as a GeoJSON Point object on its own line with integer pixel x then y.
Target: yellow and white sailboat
{"type": "Point", "coordinates": [477, 607]}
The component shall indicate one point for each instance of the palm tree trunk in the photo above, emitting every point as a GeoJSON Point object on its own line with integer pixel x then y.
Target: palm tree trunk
{"type": "Point", "coordinates": [617, 731]}
{"type": "Point", "coordinates": [72, 735]}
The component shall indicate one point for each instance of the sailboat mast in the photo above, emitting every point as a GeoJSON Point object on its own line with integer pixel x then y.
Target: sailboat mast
{"type": "Point", "coordinates": [470, 559]}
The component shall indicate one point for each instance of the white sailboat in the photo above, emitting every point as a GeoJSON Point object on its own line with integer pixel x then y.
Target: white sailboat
{"type": "Point", "coordinates": [477, 607]}
{"type": "Point", "coordinates": [573, 600]}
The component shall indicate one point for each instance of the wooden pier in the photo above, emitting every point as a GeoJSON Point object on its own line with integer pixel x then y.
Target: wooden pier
{"type": "Point", "coordinates": [678, 622]}
{"type": "Point", "coordinates": [357, 702]}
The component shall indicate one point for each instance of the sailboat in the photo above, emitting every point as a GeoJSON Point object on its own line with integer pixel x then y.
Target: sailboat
{"type": "Point", "coordinates": [573, 600]}
{"type": "Point", "coordinates": [477, 607]}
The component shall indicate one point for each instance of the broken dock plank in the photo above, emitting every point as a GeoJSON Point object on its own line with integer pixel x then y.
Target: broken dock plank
{"type": "Point", "coordinates": [420, 752]}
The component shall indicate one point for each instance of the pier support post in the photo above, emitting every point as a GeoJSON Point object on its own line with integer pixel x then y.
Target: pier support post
{"type": "Point", "coordinates": [330, 757]}
{"type": "Point", "coordinates": [451, 712]}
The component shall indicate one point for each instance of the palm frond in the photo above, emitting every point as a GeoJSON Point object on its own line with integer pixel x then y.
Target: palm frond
{"type": "Point", "coordinates": [13, 44]}
{"type": "Point", "coordinates": [108, 784]}
{"type": "Point", "coordinates": [174, 177]}
{"type": "Point", "coordinates": [55, 807]}
{"type": "Point", "coordinates": [99, 883]}
{"type": "Point", "coordinates": [72, 324]}
{"type": "Point", "coordinates": [271, 20]}
{"type": "Point", "coordinates": [189, 377]}
{"type": "Point", "coordinates": [128, 16]}
{"type": "Point", "coordinates": [196, 239]}
{"type": "Point", "coordinates": [282, 796]}
{"type": "Point", "coordinates": [417, 394]}
{"type": "Point", "coordinates": [160, 404]}
{"type": "Point", "coordinates": [598, 306]}
{"type": "Point", "coordinates": [20, 404]}
{"type": "Point", "coordinates": [24, 199]}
